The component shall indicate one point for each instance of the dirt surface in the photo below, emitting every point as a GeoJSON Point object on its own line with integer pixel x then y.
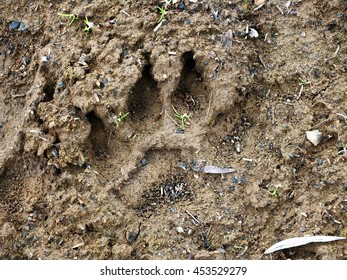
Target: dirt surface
{"type": "Point", "coordinates": [80, 178]}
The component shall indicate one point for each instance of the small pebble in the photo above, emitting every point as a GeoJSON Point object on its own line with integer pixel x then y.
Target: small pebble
{"type": "Point", "coordinates": [238, 147]}
{"type": "Point", "coordinates": [143, 162]}
{"type": "Point", "coordinates": [232, 188]}
{"type": "Point", "coordinates": [14, 25]}
{"type": "Point", "coordinates": [293, 13]}
{"type": "Point", "coordinates": [207, 244]}
{"type": "Point", "coordinates": [180, 229]}
{"type": "Point", "coordinates": [183, 166]}
{"type": "Point", "coordinates": [179, 131]}
{"type": "Point", "coordinates": [182, 6]}
{"type": "Point", "coordinates": [187, 21]}
{"type": "Point", "coordinates": [60, 84]}
{"type": "Point", "coordinates": [55, 153]}
{"type": "Point", "coordinates": [22, 27]}
{"type": "Point", "coordinates": [291, 155]}
{"type": "Point", "coordinates": [315, 73]}
{"type": "Point", "coordinates": [132, 237]}
{"type": "Point", "coordinates": [319, 161]}
{"type": "Point", "coordinates": [345, 186]}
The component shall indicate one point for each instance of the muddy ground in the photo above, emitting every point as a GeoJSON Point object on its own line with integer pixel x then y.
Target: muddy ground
{"type": "Point", "coordinates": [95, 163]}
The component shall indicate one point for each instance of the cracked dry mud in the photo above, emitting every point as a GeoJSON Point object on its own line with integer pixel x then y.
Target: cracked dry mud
{"type": "Point", "coordinates": [75, 185]}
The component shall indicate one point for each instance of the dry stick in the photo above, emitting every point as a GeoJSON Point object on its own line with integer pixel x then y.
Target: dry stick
{"type": "Point", "coordinates": [334, 55]}
{"type": "Point", "coordinates": [262, 62]}
{"type": "Point", "coordinates": [18, 95]}
{"type": "Point", "coordinates": [243, 252]}
{"type": "Point", "coordinates": [124, 12]}
{"type": "Point", "coordinates": [278, 7]}
{"type": "Point", "coordinates": [259, 7]}
{"type": "Point", "coordinates": [300, 92]}
{"type": "Point", "coordinates": [195, 219]}
{"type": "Point", "coordinates": [171, 118]}
{"type": "Point", "coordinates": [265, 37]}
{"type": "Point", "coordinates": [209, 231]}
{"type": "Point", "coordinates": [342, 115]}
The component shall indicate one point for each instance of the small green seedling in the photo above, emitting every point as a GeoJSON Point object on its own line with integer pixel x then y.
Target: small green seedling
{"type": "Point", "coordinates": [72, 17]}
{"type": "Point", "coordinates": [89, 25]}
{"type": "Point", "coordinates": [274, 193]}
{"type": "Point", "coordinates": [162, 12]}
{"type": "Point", "coordinates": [182, 118]}
{"type": "Point", "coordinates": [303, 82]}
{"type": "Point", "coordinates": [120, 119]}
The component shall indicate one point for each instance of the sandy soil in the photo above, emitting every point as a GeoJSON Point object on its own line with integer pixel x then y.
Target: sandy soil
{"type": "Point", "coordinates": [96, 164]}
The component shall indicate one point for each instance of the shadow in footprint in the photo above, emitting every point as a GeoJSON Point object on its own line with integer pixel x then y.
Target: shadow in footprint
{"type": "Point", "coordinates": [191, 95]}
{"type": "Point", "coordinates": [97, 136]}
{"type": "Point", "coordinates": [144, 102]}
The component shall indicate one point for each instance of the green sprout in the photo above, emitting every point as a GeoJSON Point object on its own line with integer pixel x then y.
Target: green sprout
{"type": "Point", "coordinates": [182, 118]}
{"type": "Point", "coordinates": [162, 12]}
{"type": "Point", "coordinates": [303, 82]}
{"type": "Point", "coordinates": [89, 25]}
{"type": "Point", "coordinates": [72, 17]}
{"type": "Point", "coordinates": [120, 119]}
{"type": "Point", "coordinates": [274, 193]}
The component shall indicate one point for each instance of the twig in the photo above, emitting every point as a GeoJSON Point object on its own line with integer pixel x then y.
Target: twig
{"type": "Point", "coordinates": [195, 219]}
{"type": "Point", "coordinates": [262, 62]}
{"type": "Point", "coordinates": [171, 118]}
{"type": "Point", "coordinates": [278, 7]}
{"type": "Point", "coordinates": [124, 12]}
{"type": "Point", "coordinates": [259, 7]}
{"type": "Point", "coordinates": [209, 231]}
{"type": "Point", "coordinates": [332, 218]}
{"type": "Point", "coordinates": [158, 26]}
{"type": "Point", "coordinates": [243, 252]}
{"type": "Point", "coordinates": [18, 95]}
{"type": "Point", "coordinates": [342, 115]}
{"type": "Point", "coordinates": [44, 139]}
{"type": "Point", "coordinates": [300, 92]}
{"type": "Point", "coordinates": [334, 55]}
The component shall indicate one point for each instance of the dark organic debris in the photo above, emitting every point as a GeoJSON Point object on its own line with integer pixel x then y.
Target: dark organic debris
{"type": "Point", "coordinates": [173, 191]}
{"type": "Point", "coordinates": [133, 235]}
{"type": "Point", "coordinates": [182, 6]}
{"type": "Point", "coordinates": [169, 191]}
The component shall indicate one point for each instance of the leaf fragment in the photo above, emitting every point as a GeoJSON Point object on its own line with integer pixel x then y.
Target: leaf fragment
{"type": "Point", "coordinates": [300, 241]}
